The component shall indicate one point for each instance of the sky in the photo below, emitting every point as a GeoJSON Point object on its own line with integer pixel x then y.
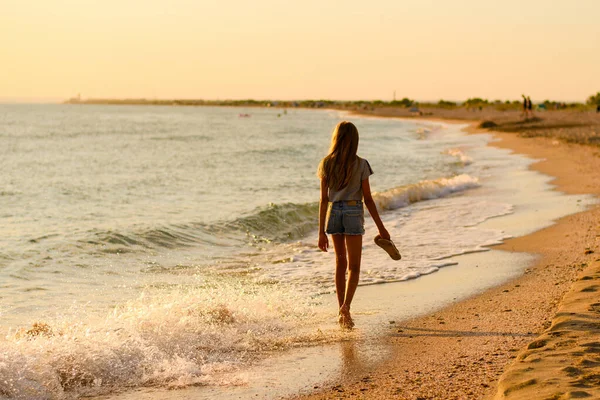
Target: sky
{"type": "Point", "coordinates": [310, 49]}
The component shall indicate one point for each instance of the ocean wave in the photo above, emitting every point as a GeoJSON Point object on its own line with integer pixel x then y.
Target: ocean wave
{"type": "Point", "coordinates": [168, 237]}
{"type": "Point", "coordinates": [290, 221]}
{"type": "Point", "coordinates": [278, 152]}
{"type": "Point", "coordinates": [9, 193]}
{"type": "Point", "coordinates": [425, 190]}
{"type": "Point", "coordinates": [163, 339]}
{"type": "Point", "coordinates": [275, 222]}
{"type": "Point", "coordinates": [272, 223]}
{"type": "Point", "coordinates": [423, 132]}
{"type": "Point", "coordinates": [183, 138]}
{"type": "Point", "coordinates": [462, 158]}
{"type": "Point", "coordinates": [279, 222]}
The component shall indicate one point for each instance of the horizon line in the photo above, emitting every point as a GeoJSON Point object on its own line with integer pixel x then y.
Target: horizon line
{"type": "Point", "coordinates": [57, 100]}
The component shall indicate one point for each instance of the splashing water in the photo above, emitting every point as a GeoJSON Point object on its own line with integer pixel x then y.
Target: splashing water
{"type": "Point", "coordinates": [172, 339]}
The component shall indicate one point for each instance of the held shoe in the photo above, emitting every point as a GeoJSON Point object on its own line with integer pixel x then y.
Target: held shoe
{"type": "Point", "coordinates": [388, 246]}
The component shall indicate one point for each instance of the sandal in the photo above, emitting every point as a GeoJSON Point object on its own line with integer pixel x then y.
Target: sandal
{"type": "Point", "coordinates": [388, 246]}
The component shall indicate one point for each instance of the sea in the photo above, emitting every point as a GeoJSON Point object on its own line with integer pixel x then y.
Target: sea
{"type": "Point", "coordinates": [173, 247]}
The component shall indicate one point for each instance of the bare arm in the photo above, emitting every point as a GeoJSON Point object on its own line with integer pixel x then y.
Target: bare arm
{"type": "Point", "coordinates": [368, 199]}
{"type": "Point", "coordinates": [323, 204]}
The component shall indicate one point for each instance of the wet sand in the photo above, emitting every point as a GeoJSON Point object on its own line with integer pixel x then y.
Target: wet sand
{"type": "Point", "coordinates": [524, 339]}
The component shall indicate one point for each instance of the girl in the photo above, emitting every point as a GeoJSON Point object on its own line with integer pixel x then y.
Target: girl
{"type": "Point", "coordinates": [344, 184]}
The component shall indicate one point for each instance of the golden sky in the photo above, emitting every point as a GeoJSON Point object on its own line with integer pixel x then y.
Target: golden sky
{"type": "Point", "coordinates": [267, 49]}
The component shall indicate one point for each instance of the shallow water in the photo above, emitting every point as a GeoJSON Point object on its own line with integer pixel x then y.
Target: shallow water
{"type": "Point", "coordinates": [172, 246]}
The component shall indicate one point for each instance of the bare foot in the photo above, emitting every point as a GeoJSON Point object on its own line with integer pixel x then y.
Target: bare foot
{"type": "Point", "coordinates": [345, 319]}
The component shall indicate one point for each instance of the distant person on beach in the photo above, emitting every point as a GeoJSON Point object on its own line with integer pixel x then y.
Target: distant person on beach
{"type": "Point", "coordinates": [525, 106]}
{"type": "Point", "coordinates": [344, 184]}
{"type": "Point", "coordinates": [598, 108]}
{"type": "Point", "coordinates": [529, 106]}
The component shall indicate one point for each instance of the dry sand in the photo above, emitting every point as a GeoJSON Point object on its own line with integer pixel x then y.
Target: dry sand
{"type": "Point", "coordinates": [574, 126]}
{"type": "Point", "coordinates": [564, 361]}
{"type": "Point", "coordinates": [524, 339]}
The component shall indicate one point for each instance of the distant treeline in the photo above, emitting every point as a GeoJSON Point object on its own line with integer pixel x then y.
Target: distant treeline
{"type": "Point", "coordinates": [200, 102]}
{"type": "Point", "coordinates": [474, 102]}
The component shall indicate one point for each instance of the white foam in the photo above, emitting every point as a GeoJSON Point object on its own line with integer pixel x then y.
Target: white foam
{"type": "Point", "coordinates": [426, 233]}
{"type": "Point", "coordinates": [460, 155]}
{"type": "Point", "coordinates": [168, 338]}
{"type": "Point", "coordinates": [425, 190]}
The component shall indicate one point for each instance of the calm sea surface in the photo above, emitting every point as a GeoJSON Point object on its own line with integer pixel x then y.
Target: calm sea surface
{"type": "Point", "coordinates": [172, 246]}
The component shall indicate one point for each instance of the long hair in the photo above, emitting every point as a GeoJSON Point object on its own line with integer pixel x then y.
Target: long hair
{"type": "Point", "coordinates": [336, 167]}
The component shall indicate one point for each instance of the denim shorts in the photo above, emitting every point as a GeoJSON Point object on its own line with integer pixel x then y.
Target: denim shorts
{"type": "Point", "coordinates": [345, 218]}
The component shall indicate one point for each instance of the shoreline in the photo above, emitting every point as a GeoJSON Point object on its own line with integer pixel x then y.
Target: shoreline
{"type": "Point", "coordinates": [430, 296]}
{"type": "Point", "coordinates": [376, 306]}
{"type": "Point", "coordinates": [462, 350]}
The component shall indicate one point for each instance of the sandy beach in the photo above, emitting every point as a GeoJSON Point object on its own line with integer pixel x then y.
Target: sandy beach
{"type": "Point", "coordinates": [161, 228]}
{"type": "Point", "coordinates": [534, 337]}
{"type": "Point", "coordinates": [486, 324]}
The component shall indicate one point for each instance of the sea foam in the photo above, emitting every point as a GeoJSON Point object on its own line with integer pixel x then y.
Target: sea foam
{"type": "Point", "coordinates": [462, 158]}
{"type": "Point", "coordinates": [172, 338]}
{"type": "Point", "coordinates": [403, 196]}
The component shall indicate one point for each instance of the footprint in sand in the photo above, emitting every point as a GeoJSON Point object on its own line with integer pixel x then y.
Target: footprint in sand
{"type": "Point", "coordinates": [537, 344]}
{"type": "Point", "coordinates": [593, 288]}
{"type": "Point", "coordinates": [594, 307]}
{"type": "Point", "coordinates": [587, 381]}
{"type": "Point", "coordinates": [592, 347]}
{"type": "Point", "coordinates": [589, 362]}
{"type": "Point", "coordinates": [577, 394]}
{"type": "Point", "coordinates": [572, 371]}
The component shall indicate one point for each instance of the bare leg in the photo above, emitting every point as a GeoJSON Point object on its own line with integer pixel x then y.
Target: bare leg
{"type": "Point", "coordinates": [354, 248]}
{"type": "Point", "coordinates": [341, 264]}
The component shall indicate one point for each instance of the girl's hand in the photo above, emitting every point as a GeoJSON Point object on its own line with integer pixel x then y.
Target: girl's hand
{"type": "Point", "coordinates": [323, 241]}
{"type": "Point", "coordinates": [384, 234]}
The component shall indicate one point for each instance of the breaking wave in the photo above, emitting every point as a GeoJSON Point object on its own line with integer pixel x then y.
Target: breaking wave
{"type": "Point", "coordinates": [462, 158]}
{"type": "Point", "coordinates": [425, 190]}
{"type": "Point", "coordinates": [174, 339]}
{"type": "Point", "coordinates": [273, 223]}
